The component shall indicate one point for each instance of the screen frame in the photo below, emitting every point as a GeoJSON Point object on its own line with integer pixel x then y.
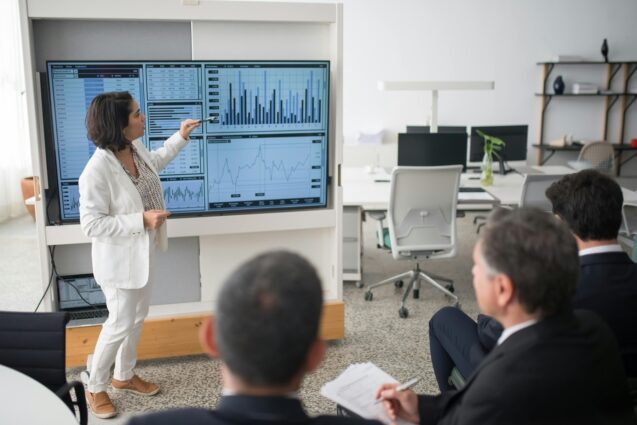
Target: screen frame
{"type": "Point", "coordinates": [51, 145]}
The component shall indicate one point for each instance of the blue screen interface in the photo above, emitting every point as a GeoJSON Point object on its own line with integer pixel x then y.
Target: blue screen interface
{"type": "Point", "coordinates": [265, 147]}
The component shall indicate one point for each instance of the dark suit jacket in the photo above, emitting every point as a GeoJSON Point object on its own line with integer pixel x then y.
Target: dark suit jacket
{"type": "Point", "coordinates": [245, 410]}
{"type": "Point", "coordinates": [565, 369]}
{"type": "Point", "coordinates": [608, 286]}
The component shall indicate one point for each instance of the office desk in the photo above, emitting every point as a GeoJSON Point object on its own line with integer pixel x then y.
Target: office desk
{"type": "Point", "coordinates": [364, 191]}
{"type": "Point", "coordinates": [23, 400]}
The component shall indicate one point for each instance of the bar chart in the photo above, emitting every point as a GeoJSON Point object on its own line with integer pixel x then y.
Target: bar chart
{"type": "Point", "coordinates": [165, 118]}
{"type": "Point", "coordinates": [267, 98]}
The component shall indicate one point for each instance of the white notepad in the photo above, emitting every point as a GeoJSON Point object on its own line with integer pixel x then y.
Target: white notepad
{"type": "Point", "coordinates": [355, 388]}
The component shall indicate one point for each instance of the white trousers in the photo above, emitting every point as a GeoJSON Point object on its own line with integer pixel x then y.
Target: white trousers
{"type": "Point", "coordinates": [117, 343]}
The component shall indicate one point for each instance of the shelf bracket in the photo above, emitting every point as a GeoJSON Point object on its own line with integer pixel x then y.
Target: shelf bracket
{"type": "Point", "coordinates": [546, 100]}
{"type": "Point", "coordinates": [614, 70]}
{"type": "Point", "coordinates": [612, 101]}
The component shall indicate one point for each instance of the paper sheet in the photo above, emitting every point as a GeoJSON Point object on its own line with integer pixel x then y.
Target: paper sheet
{"type": "Point", "coordinates": [355, 388]}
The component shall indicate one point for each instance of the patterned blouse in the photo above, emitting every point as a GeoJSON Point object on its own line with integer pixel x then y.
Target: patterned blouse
{"type": "Point", "coordinates": [147, 184]}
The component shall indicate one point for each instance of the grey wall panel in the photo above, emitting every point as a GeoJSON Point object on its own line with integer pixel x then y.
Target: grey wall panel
{"type": "Point", "coordinates": [177, 278]}
{"type": "Point", "coordinates": [109, 40]}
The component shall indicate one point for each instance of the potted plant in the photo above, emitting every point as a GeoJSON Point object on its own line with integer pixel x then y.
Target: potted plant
{"type": "Point", "coordinates": [492, 145]}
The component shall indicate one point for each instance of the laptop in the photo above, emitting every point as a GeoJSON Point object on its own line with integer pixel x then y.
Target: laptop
{"type": "Point", "coordinates": [82, 298]}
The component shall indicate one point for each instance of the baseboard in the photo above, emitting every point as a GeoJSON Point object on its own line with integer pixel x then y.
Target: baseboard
{"type": "Point", "coordinates": [179, 335]}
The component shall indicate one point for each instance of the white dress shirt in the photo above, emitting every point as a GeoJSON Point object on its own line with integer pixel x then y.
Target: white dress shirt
{"type": "Point", "coordinates": [601, 249]}
{"type": "Point", "coordinates": [515, 328]}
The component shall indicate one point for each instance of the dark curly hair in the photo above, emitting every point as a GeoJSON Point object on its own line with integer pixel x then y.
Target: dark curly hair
{"type": "Point", "coordinates": [106, 119]}
{"type": "Point", "coordinates": [590, 203]}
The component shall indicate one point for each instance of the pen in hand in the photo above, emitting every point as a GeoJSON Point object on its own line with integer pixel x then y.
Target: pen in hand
{"type": "Point", "coordinates": [209, 119]}
{"type": "Point", "coordinates": [402, 387]}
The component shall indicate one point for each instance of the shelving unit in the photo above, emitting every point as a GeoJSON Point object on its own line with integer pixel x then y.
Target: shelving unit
{"type": "Point", "coordinates": [610, 100]}
{"type": "Point", "coordinates": [180, 30]}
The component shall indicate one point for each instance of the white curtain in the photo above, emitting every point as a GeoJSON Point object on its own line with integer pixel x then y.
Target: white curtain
{"type": "Point", "coordinates": [15, 160]}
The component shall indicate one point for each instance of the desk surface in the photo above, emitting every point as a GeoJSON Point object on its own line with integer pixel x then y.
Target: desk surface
{"type": "Point", "coordinates": [23, 400]}
{"type": "Point", "coordinates": [371, 190]}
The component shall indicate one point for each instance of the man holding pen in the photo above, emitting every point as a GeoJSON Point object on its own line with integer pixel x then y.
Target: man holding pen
{"type": "Point", "coordinates": [550, 365]}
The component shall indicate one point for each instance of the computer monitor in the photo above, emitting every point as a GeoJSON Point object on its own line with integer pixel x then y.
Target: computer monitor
{"type": "Point", "coordinates": [430, 149]}
{"type": "Point", "coordinates": [441, 129]}
{"type": "Point", "coordinates": [266, 149]}
{"type": "Point", "coordinates": [515, 137]}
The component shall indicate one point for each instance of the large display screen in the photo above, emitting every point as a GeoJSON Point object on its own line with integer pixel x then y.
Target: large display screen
{"type": "Point", "coordinates": [267, 148]}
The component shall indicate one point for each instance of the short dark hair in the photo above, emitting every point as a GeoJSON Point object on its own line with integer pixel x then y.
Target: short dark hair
{"type": "Point", "coordinates": [106, 119]}
{"type": "Point", "coordinates": [538, 253]}
{"type": "Point", "coordinates": [590, 203]}
{"type": "Point", "coordinates": [267, 317]}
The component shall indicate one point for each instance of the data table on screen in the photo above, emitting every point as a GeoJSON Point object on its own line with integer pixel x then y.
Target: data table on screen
{"type": "Point", "coordinates": [189, 160]}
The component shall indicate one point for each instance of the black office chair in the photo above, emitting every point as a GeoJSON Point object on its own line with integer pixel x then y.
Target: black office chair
{"type": "Point", "coordinates": [35, 344]}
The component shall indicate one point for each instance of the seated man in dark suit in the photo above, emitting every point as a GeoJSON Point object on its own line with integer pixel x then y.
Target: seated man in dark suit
{"type": "Point", "coordinates": [550, 365]}
{"type": "Point", "coordinates": [590, 203]}
{"type": "Point", "coordinates": [265, 331]}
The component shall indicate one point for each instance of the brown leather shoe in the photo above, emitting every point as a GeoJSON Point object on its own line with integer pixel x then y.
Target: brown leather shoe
{"type": "Point", "coordinates": [101, 405]}
{"type": "Point", "coordinates": [136, 385]}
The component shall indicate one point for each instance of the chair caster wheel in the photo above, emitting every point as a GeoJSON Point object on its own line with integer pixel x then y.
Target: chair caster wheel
{"type": "Point", "coordinates": [359, 284]}
{"type": "Point", "coordinates": [369, 296]}
{"type": "Point", "coordinates": [403, 313]}
{"type": "Point", "coordinates": [457, 305]}
{"type": "Point", "coordinates": [398, 284]}
{"type": "Point", "coordinates": [450, 288]}
{"type": "Point", "coordinates": [416, 294]}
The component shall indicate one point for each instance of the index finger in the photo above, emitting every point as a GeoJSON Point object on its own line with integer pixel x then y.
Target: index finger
{"type": "Point", "coordinates": [163, 213]}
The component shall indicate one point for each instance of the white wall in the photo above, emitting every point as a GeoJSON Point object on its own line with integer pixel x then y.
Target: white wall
{"type": "Point", "coordinates": [498, 40]}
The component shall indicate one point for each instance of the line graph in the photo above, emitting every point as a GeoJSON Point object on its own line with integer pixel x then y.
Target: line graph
{"type": "Point", "coordinates": [184, 194]}
{"type": "Point", "coordinates": [264, 171]}
{"type": "Point", "coordinates": [70, 200]}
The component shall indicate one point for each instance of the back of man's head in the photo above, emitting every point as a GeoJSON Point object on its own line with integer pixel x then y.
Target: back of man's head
{"type": "Point", "coordinates": [267, 318]}
{"type": "Point", "coordinates": [590, 203]}
{"type": "Point", "coordinates": [537, 252]}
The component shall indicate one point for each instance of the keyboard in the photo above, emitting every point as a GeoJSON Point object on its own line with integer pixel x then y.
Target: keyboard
{"type": "Point", "coordinates": [470, 189]}
{"type": "Point", "coordinates": [88, 314]}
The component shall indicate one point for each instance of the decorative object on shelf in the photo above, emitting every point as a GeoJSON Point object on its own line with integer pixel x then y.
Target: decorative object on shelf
{"type": "Point", "coordinates": [633, 143]}
{"type": "Point", "coordinates": [605, 50]}
{"type": "Point", "coordinates": [558, 85]}
{"type": "Point", "coordinates": [558, 143]}
{"type": "Point", "coordinates": [30, 188]}
{"type": "Point", "coordinates": [491, 145]}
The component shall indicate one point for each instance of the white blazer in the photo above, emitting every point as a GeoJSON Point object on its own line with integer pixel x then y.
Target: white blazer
{"type": "Point", "coordinates": [111, 214]}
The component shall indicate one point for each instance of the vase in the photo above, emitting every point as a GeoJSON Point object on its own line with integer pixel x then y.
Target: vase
{"type": "Point", "coordinates": [486, 179]}
{"type": "Point", "coordinates": [558, 85]}
{"type": "Point", "coordinates": [30, 186]}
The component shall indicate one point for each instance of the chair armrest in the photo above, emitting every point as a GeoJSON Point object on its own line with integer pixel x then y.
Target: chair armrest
{"type": "Point", "coordinates": [80, 398]}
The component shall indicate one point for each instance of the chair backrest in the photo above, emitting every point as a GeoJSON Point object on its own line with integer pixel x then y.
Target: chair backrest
{"type": "Point", "coordinates": [600, 154]}
{"type": "Point", "coordinates": [422, 211]}
{"type": "Point", "coordinates": [534, 188]}
{"type": "Point", "coordinates": [629, 218]}
{"type": "Point", "coordinates": [35, 344]}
